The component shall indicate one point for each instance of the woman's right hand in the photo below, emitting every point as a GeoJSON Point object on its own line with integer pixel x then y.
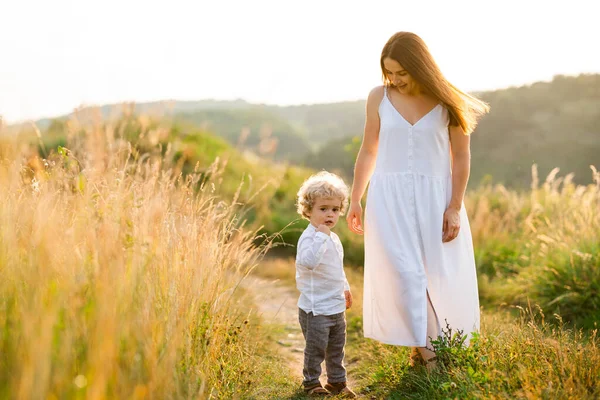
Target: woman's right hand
{"type": "Point", "coordinates": [354, 218]}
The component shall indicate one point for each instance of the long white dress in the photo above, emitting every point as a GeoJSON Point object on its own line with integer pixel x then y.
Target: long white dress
{"type": "Point", "coordinates": [405, 258]}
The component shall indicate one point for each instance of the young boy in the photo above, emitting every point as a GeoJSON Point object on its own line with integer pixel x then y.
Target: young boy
{"type": "Point", "coordinates": [324, 290]}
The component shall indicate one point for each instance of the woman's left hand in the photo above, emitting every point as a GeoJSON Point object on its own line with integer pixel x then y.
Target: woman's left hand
{"type": "Point", "coordinates": [451, 225]}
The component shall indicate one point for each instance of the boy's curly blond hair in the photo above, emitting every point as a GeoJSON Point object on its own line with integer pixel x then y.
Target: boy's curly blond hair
{"type": "Point", "coordinates": [321, 185]}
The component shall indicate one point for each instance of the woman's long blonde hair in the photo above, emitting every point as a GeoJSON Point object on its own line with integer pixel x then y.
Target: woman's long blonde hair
{"type": "Point", "coordinates": [412, 53]}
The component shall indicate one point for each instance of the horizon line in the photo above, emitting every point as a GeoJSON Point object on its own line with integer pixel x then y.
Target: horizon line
{"type": "Point", "coordinates": [6, 122]}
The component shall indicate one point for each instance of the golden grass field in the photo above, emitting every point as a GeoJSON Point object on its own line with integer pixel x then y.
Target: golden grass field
{"type": "Point", "coordinates": [121, 279]}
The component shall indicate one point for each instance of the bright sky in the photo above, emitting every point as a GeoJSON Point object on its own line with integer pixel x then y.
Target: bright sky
{"type": "Point", "coordinates": [59, 54]}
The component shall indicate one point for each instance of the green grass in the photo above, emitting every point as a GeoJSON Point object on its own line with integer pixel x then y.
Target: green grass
{"type": "Point", "coordinates": [526, 358]}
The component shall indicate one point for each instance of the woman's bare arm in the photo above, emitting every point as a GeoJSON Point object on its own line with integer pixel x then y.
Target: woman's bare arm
{"type": "Point", "coordinates": [461, 167]}
{"type": "Point", "coordinates": [365, 161]}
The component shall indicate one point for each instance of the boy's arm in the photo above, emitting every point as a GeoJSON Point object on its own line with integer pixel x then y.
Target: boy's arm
{"type": "Point", "coordinates": [311, 250]}
{"type": "Point", "coordinates": [346, 284]}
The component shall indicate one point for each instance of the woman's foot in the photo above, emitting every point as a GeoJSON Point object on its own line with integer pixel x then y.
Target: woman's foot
{"type": "Point", "coordinates": [415, 358]}
{"type": "Point", "coordinates": [429, 358]}
{"type": "Point", "coordinates": [431, 364]}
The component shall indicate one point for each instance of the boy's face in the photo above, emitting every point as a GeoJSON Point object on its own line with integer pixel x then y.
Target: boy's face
{"type": "Point", "coordinates": [326, 211]}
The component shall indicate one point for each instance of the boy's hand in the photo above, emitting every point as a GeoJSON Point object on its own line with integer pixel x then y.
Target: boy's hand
{"type": "Point", "coordinates": [325, 229]}
{"type": "Point", "coordinates": [348, 296]}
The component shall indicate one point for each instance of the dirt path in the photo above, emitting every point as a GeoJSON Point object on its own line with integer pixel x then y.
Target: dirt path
{"type": "Point", "coordinates": [277, 304]}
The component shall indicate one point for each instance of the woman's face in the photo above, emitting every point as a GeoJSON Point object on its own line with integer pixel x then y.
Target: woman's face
{"type": "Point", "coordinates": [399, 77]}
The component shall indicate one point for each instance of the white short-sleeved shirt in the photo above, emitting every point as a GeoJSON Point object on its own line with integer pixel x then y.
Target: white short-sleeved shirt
{"type": "Point", "coordinates": [320, 275]}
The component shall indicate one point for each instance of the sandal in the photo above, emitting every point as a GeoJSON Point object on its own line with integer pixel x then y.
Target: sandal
{"type": "Point", "coordinates": [316, 391]}
{"type": "Point", "coordinates": [431, 364]}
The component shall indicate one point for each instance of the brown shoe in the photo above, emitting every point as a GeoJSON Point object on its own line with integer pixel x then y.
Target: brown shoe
{"type": "Point", "coordinates": [316, 391]}
{"type": "Point", "coordinates": [340, 388]}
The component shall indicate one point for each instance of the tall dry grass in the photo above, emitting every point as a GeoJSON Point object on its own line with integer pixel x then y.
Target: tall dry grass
{"type": "Point", "coordinates": [541, 246]}
{"type": "Point", "coordinates": [119, 276]}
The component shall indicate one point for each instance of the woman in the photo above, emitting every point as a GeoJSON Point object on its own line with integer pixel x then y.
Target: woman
{"type": "Point", "coordinates": [419, 262]}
